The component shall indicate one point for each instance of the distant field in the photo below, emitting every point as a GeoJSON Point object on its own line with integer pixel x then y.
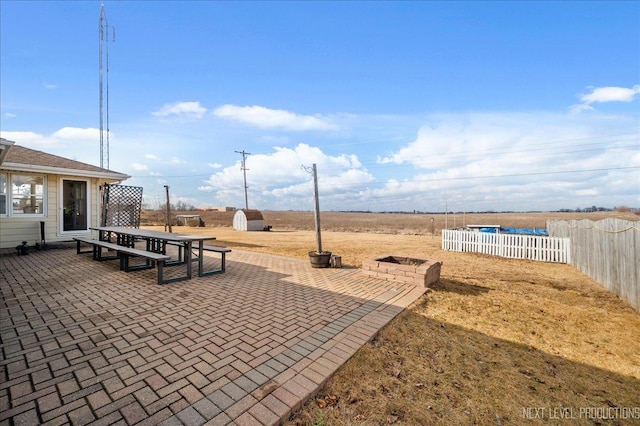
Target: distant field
{"type": "Point", "coordinates": [392, 223]}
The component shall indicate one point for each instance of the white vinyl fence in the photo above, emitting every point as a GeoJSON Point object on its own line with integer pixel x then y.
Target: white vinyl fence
{"type": "Point", "coordinates": [544, 249]}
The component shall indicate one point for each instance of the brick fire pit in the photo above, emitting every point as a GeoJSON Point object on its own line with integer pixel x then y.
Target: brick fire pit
{"type": "Point", "coordinates": [403, 269]}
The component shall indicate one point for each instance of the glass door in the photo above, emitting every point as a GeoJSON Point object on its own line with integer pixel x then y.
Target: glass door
{"type": "Point", "coordinates": [74, 205]}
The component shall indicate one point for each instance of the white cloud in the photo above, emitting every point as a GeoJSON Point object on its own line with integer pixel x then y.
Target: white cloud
{"type": "Point", "coordinates": [50, 86]}
{"type": "Point", "coordinates": [262, 117]}
{"type": "Point", "coordinates": [10, 115]}
{"type": "Point", "coordinates": [516, 161]}
{"type": "Point", "coordinates": [30, 139]}
{"type": "Point", "coordinates": [215, 165]}
{"type": "Point", "coordinates": [605, 94]}
{"type": "Point", "coordinates": [176, 160]}
{"type": "Point", "coordinates": [81, 144]}
{"type": "Point", "coordinates": [151, 157]}
{"type": "Point", "coordinates": [139, 167]}
{"type": "Point", "coordinates": [76, 133]}
{"type": "Point", "coordinates": [182, 109]}
{"type": "Point", "coordinates": [279, 178]}
{"type": "Point", "coordinates": [451, 141]}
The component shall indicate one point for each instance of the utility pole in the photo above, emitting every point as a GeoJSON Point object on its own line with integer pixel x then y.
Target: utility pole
{"type": "Point", "coordinates": [244, 169]}
{"type": "Point", "coordinates": [446, 212]}
{"type": "Point", "coordinates": [317, 209]}
{"type": "Point", "coordinates": [316, 205]}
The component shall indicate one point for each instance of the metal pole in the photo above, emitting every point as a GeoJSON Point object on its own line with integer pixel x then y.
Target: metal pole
{"type": "Point", "coordinates": [317, 209]}
{"type": "Point", "coordinates": [168, 219]}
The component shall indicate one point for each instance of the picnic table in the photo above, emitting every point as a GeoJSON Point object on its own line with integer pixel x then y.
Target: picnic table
{"type": "Point", "coordinates": [123, 239]}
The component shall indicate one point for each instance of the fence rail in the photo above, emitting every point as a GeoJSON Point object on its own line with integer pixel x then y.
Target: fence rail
{"type": "Point", "coordinates": [545, 249]}
{"type": "Point", "coordinates": [607, 251]}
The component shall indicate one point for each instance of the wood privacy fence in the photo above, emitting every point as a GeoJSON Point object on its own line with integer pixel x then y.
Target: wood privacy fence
{"type": "Point", "coordinates": [606, 251]}
{"type": "Point", "coordinates": [545, 249]}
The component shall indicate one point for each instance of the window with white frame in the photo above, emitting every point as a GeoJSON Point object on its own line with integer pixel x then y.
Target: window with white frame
{"type": "Point", "coordinates": [27, 194]}
{"type": "Point", "coordinates": [3, 193]}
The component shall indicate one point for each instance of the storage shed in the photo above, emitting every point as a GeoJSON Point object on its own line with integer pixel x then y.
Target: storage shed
{"type": "Point", "coordinates": [248, 220]}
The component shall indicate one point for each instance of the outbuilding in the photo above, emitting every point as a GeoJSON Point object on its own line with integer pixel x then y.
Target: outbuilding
{"type": "Point", "coordinates": [248, 220]}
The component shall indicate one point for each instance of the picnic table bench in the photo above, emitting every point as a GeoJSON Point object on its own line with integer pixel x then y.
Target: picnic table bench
{"type": "Point", "coordinates": [195, 256]}
{"type": "Point", "coordinates": [124, 253]}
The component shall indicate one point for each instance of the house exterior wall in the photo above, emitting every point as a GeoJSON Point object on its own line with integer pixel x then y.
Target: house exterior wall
{"type": "Point", "coordinates": [15, 229]}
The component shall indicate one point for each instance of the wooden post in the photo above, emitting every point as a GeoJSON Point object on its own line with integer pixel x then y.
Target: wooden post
{"type": "Point", "coordinates": [317, 209]}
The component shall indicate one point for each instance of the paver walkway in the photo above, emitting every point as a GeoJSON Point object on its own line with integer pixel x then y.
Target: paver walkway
{"type": "Point", "coordinates": [84, 343]}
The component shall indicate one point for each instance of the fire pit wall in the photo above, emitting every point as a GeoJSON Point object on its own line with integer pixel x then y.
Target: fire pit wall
{"type": "Point", "coordinates": [403, 269]}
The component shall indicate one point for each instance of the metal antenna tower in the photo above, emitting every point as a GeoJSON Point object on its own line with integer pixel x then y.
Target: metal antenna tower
{"type": "Point", "coordinates": [103, 52]}
{"type": "Point", "coordinates": [244, 169]}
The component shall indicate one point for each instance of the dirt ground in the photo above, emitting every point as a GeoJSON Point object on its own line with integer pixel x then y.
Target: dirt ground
{"type": "Point", "coordinates": [496, 341]}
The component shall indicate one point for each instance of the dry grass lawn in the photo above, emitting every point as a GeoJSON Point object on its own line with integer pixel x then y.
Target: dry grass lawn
{"type": "Point", "coordinates": [496, 341]}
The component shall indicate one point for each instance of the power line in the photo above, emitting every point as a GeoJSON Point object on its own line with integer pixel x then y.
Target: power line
{"type": "Point", "coordinates": [470, 156]}
{"type": "Point", "coordinates": [380, 184]}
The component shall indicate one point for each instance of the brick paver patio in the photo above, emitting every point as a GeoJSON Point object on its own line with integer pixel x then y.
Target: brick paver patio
{"type": "Point", "coordinates": [84, 343]}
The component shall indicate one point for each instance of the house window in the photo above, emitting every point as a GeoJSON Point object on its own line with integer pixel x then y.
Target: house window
{"type": "Point", "coordinates": [27, 194]}
{"type": "Point", "coordinates": [3, 193]}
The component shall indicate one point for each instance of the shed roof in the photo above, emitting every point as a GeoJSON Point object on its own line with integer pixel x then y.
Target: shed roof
{"type": "Point", "coordinates": [19, 158]}
{"type": "Point", "coordinates": [252, 214]}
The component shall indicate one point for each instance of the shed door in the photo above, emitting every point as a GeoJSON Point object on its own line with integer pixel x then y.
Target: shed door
{"type": "Point", "coordinates": [74, 205]}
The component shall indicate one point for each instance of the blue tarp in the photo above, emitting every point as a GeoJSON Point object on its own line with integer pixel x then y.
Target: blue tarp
{"type": "Point", "coordinates": [519, 231]}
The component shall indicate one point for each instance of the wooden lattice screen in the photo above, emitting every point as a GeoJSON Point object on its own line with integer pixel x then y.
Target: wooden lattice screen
{"type": "Point", "coordinates": [121, 205]}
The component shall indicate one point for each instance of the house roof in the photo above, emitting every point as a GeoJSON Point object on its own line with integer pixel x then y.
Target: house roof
{"type": "Point", "coordinates": [19, 158]}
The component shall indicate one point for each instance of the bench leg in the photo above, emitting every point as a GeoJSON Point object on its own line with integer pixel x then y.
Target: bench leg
{"type": "Point", "coordinates": [202, 273]}
{"type": "Point", "coordinates": [79, 250]}
{"type": "Point", "coordinates": [97, 254]}
{"type": "Point", "coordinates": [160, 266]}
{"type": "Point", "coordinates": [127, 267]}
{"type": "Point", "coordinates": [161, 280]}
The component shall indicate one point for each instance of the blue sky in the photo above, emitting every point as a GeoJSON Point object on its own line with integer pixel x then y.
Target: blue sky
{"type": "Point", "coordinates": [410, 105]}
